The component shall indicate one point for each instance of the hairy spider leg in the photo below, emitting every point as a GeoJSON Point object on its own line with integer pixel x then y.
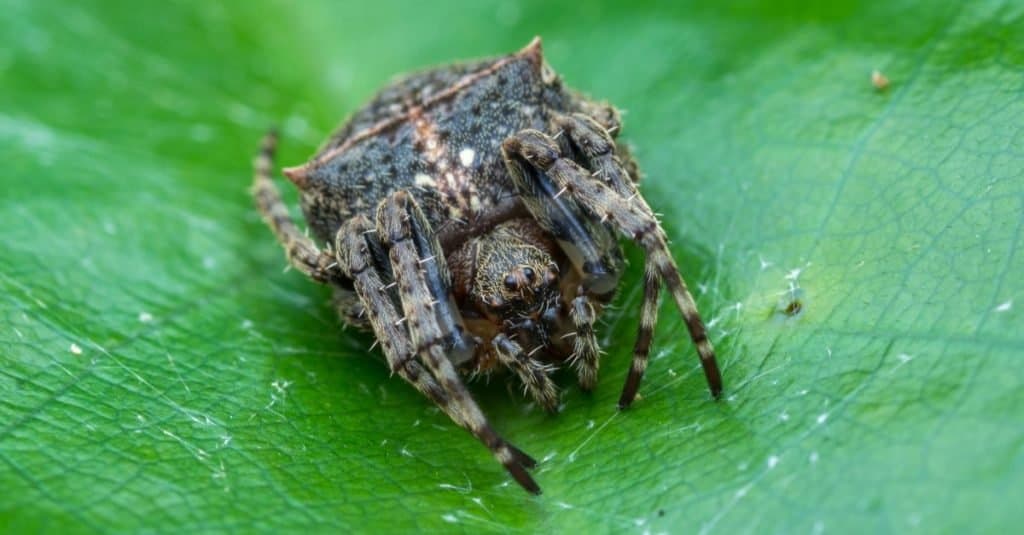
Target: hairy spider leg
{"type": "Point", "coordinates": [434, 323]}
{"type": "Point", "coordinates": [590, 248]}
{"type": "Point", "coordinates": [301, 251]}
{"type": "Point", "coordinates": [532, 372]}
{"type": "Point", "coordinates": [586, 351]}
{"type": "Point", "coordinates": [539, 157]}
{"type": "Point", "coordinates": [357, 246]}
{"type": "Point", "coordinates": [589, 140]}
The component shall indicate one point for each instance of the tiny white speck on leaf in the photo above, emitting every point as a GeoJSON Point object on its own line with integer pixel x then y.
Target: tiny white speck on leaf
{"type": "Point", "coordinates": [813, 457]}
{"type": "Point", "coordinates": [773, 461]}
{"type": "Point", "coordinates": [450, 518]}
{"type": "Point", "coordinates": [281, 386]}
{"type": "Point", "coordinates": [822, 417]}
{"type": "Point", "coordinates": [145, 317]}
{"type": "Point", "coordinates": [1003, 307]}
{"type": "Point", "coordinates": [75, 349]}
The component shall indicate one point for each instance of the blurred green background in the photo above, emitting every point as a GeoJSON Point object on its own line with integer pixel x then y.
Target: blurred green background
{"type": "Point", "coordinates": [158, 371]}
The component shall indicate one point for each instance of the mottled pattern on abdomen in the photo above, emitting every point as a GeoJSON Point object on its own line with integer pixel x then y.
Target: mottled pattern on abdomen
{"type": "Point", "coordinates": [444, 146]}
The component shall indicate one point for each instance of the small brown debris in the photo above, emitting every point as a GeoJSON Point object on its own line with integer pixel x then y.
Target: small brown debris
{"type": "Point", "coordinates": [879, 80]}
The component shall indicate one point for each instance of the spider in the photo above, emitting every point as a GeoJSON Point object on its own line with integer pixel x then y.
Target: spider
{"type": "Point", "coordinates": [470, 215]}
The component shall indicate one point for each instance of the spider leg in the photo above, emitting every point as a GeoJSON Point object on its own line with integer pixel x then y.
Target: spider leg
{"type": "Point", "coordinates": [605, 115]}
{"type": "Point", "coordinates": [593, 144]}
{"type": "Point", "coordinates": [645, 333]}
{"type": "Point", "coordinates": [586, 351]}
{"type": "Point", "coordinates": [540, 160]}
{"type": "Point", "coordinates": [590, 247]}
{"type": "Point", "coordinates": [350, 309]}
{"type": "Point", "coordinates": [531, 372]}
{"type": "Point", "coordinates": [433, 321]}
{"type": "Point", "coordinates": [357, 245]}
{"type": "Point", "coordinates": [302, 252]}
{"type": "Point", "coordinates": [596, 150]}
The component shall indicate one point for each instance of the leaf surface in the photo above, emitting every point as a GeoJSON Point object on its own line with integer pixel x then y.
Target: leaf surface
{"type": "Point", "coordinates": [159, 372]}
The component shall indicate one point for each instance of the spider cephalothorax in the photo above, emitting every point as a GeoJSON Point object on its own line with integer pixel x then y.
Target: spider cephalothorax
{"type": "Point", "coordinates": [470, 214]}
{"type": "Point", "coordinates": [512, 276]}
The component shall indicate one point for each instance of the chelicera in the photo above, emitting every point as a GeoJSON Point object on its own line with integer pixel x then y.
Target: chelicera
{"type": "Point", "coordinates": [470, 215]}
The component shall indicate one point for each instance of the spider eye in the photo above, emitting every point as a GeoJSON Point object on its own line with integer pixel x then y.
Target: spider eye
{"type": "Point", "coordinates": [510, 283]}
{"type": "Point", "coordinates": [529, 274]}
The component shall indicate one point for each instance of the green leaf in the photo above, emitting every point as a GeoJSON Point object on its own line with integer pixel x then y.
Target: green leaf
{"type": "Point", "coordinates": [158, 371]}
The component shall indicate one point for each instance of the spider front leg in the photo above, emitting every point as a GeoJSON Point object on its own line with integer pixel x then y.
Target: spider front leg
{"type": "Point", "coordinates": [586, 351]}
{"type": "Point", "coordinates": [357, 247]}
{"type": "Point", "coordinates": [593, 143]}
{"type": "Point", "coordinates": [434, 323]}
{"type": "Point", "coordinates": [595, 147]}
{"type": "Point", "coordinates": [590, 247]}
{"type": "Point", "coordinates": [537, 158]}
{"type": "Point", "coordinates": [531, 372]}
{"type": "Point", "coordinates": [302, 253]}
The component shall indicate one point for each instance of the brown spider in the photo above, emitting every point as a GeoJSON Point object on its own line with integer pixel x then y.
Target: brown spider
{"type": "Point", "coordinates": [470, 213]}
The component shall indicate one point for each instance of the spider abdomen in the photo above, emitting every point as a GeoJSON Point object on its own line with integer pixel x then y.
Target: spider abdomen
{"type": "Point", "coordinates": [437, 134]}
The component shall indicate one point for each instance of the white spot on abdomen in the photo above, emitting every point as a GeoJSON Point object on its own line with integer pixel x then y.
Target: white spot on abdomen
{"type": "Point", "coordinates": [424, 181]}
{"type": "Point", "coordinates": [466, 156]}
